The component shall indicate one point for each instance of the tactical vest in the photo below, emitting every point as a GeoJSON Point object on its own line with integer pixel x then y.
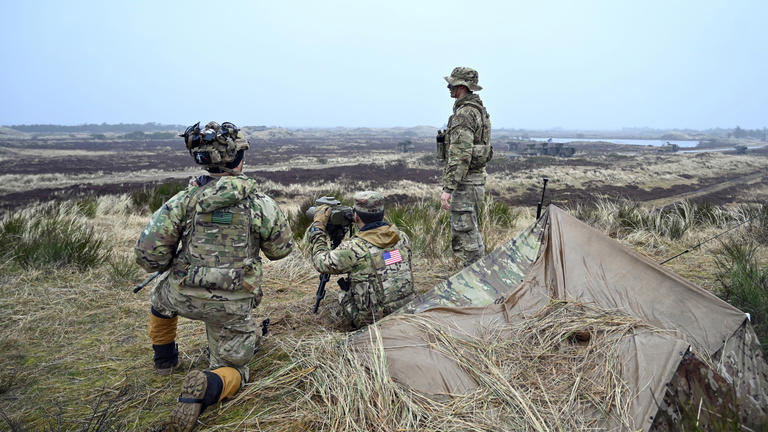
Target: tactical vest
{"type": "Point", "coordinates": [217, 247]}
{"type": "Point", "coordinates": [387, 283]}
{"type": "Point", "coordinates": [482, 150]}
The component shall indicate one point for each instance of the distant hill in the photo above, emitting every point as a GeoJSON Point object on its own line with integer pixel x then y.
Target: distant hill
{"type": "Point", "coordinates": [8, 132]}
{"type": "Point", "coordinates": [97, 128]}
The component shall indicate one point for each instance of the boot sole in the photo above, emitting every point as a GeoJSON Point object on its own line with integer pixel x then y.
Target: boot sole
{"type": "Point", "coordinates": [167, 371]}
{"type": "Point", "coordinates": [184, 416]}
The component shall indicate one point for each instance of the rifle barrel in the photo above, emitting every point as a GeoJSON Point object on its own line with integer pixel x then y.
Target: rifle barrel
{"type": "Point", "coordinates": [146, 281]}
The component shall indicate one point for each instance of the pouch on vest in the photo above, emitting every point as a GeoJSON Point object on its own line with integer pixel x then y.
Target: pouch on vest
{"type": "Point", "coordinates": [218, 248]}
{"type": "Point", "coordinates": [393, 275]}
{"type": "Point", "coordinates": [442, 151]}
{"type": "Point", "coordinates": [481, 154]}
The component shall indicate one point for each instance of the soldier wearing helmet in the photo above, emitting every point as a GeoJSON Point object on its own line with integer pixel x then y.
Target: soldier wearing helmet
{"type": "Point", "coordinates": [377, 261]}
{"type": "Point", "coordinates": [465, 147]}
{"type": "Point", "coordinates": [207, 240]}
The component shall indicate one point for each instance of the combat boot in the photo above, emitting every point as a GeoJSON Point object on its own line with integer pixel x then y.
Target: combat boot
{"type": "Point", "coordinates": [200, 390]}
{"type": "Point", "coordinates": [162, 333]}
{"type": "Point", "coordinates": [166, 358]}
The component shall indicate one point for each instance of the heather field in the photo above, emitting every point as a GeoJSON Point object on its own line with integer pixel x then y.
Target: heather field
{"type": "Point", "coordinates": [294, 166]}
{"type": "Point", "coordinates": [74, 354]}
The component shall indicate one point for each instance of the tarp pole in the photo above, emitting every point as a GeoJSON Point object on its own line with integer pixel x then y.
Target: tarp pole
{"type": "Point", "coordinates": [541, 201]}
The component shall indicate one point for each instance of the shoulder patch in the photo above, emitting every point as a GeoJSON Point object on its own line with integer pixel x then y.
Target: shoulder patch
{"type": "Point", "coordinates": [391, 257]}
{"type": "Point", "coordinates": [221, 217]}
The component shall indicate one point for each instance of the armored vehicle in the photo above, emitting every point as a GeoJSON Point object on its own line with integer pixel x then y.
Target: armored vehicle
{"type": "Point", "coordinates": [548, 149]}
{"type": "Point", "coordinates": [669, 148]}
{"type": "Point", "coordinates": [406, 146]}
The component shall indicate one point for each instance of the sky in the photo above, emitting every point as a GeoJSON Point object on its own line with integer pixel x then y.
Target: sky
{"type": "Point", "coordinates": [572, 64]}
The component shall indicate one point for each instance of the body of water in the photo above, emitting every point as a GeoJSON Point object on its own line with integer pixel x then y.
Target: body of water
{"type": "Point", "coordinates": [648, 142]}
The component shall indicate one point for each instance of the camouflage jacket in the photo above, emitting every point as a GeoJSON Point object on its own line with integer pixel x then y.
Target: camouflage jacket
{"type": "Point", "coordinates": [378, 280]}
{"type": "Point", "coordinates": [164, 244]}
{"type": "Point", "coordinates": [469, 143]}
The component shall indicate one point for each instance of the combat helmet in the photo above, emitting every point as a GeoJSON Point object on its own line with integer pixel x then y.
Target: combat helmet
{"type": "Point", "coordinates": [219, 148]}
{"type": "Point", "coordinates": [464, 76]}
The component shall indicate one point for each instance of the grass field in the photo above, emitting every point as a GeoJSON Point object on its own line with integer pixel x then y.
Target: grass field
{"type": "Point", "coordinates": [74, 354]}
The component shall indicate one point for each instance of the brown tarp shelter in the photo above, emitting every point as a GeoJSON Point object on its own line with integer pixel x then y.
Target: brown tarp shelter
{"type": "Point", "coordinates": [578, 263]}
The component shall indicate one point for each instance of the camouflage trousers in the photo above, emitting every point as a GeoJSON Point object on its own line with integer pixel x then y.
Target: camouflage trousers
{"type": "Point", "coordinates": [232, 332]}
{"type": "Point", "coordinates": [360, 306]}
{"type": "Point", "coordinates": [466, 239]}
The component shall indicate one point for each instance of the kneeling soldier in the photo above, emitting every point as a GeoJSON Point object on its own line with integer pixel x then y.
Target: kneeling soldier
{"type": "Point", "coordinates": [377, 260]}
{"type": "Point", "coordinates": [207, 238]}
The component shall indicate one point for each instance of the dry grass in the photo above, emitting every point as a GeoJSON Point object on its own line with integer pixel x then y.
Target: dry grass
{"type": "Point", "coordinates": [532, 375]}
{"type": "Point", "coordinates": [74, 342]}
{"type": "Point", "coordinates": [645, 171]}
{"type": "Point", "coordinates": [682, 222]}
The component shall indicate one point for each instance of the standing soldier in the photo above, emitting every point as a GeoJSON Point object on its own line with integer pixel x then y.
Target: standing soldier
{"type": "Point", "coordinates": [377, 260]}
{"type": "Point", "coordinates": [207, 240]}
{"type": "Point", "coordinates": [466, 149]}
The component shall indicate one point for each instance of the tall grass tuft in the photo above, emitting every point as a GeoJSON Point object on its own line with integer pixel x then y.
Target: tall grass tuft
{"type": "Point", "coordinates": [123, 268]}
{"type": "Point", "coordinates": [299, 220]}
{"type": "Point", "coordinates": [744, 283]}
{"type": "Point", "coordinates": [497, 220]}
{"type": "Point", "coordinates": [758, 221]}
{"type": "Point", "coordinates": [87, 207]}
{"type": "Point", "coordinates": [151, 198]}
{"type": "Point", "coordinates": [427, 226]}
{"type": "Point", "coordinates": [625, 217]}
{"type": "Point", "coordinates": [53, 237]}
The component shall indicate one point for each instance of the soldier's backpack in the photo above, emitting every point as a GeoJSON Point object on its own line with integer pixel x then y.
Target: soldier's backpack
{"type": "Point", "coordinates": [393, 276]}
{"type": "Point", "coordinates": [217, 246]}
{"type": "Point", "coordinates": [482, 150]}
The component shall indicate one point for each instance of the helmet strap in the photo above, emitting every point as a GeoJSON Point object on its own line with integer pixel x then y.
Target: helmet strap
{"type": "Point", "coordinates": [230, 167]}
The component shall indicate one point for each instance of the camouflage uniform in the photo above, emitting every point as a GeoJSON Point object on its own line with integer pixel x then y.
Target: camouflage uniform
{"type": "Point", "coordinates": [468, 143]}
{"type": "Point", "coordinates": [377, 260]}
{"type": "Point", "coordinates": [202, 219]}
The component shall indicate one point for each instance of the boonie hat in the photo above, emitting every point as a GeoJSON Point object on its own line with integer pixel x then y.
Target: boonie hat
{"type": "Point", "coordinates": [464, 76]}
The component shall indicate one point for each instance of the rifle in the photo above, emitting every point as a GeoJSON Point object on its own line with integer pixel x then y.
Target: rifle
{"type": "Point", "coordinates": [320, 291]}
{"type": "Point", "coordinates": [336, 237]}
{"type": "Point", "coordinates": [339, 222]}
{"type": "Point", "coordinates": [146, 281]}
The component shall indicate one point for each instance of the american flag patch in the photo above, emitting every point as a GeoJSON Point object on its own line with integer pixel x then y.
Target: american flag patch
{"type": "Point", "coordinates": [392, 257]}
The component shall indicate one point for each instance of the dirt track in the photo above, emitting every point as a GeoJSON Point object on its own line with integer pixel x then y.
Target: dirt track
{"type": "Point", "coordinates": [722, 189]}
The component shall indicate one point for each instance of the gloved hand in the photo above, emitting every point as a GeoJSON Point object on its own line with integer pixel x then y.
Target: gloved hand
{"type": "Point", "coordinates": [322, 214]}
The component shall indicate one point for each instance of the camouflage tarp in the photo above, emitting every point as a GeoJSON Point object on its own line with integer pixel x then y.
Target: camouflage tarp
{"type": "Point", "coordinates": [488, 280]}
{"type": "Point", "coordinates": [579, 264]}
